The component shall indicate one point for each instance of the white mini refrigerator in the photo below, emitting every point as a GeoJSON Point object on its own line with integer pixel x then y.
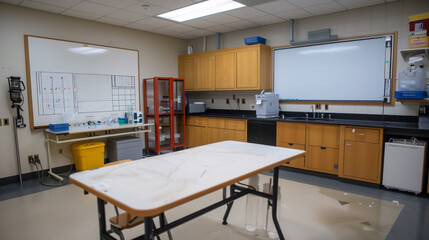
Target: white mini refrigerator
{"type": "Point", "coordinates": [404, 165]}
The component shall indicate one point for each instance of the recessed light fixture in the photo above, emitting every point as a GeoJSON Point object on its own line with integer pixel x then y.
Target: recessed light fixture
{"type": "Point", "coordinates": [201, 9]}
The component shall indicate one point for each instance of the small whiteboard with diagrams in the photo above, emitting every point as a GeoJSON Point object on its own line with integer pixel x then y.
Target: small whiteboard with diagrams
{"type": "Point", "coordinates": [78, 80]}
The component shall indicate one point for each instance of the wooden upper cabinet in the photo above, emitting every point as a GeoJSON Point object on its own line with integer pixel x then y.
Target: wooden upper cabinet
{"type": "Point", "coordinates": [240, 68]}
{"type": "Point", "coordinates": [324, 135]}
{"type": "Point", "coordinates": [187, 71]}
{"type": "Point", "coordinates": [225, 70]}
{"type": "Point", "coordinates": [247, 69]}
{"type": "Point", "coordinates": [205, 72]}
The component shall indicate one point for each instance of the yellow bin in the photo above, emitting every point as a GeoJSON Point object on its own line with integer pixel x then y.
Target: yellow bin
{"type": "Point", "coordinates": [88, 155]}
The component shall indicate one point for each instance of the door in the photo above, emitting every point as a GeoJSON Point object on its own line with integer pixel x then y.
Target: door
{"type": "Point", "coordinates": [205, 72]}
{"type": "Point", "coordinates": [361, 161]}
{"type": "Point", "coordinates": [247, 69]}
{"type": "Point", "coordinates": [225, 70]}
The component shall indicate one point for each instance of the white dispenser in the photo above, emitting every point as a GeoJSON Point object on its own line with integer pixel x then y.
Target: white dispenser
{"type": "Point", "coordinates": [267, 105]}
{"type": "Point", "coordinates": [412, 79]}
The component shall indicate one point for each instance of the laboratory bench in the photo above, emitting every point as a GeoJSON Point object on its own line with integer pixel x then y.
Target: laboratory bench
{"type": "Point", "coordinates": [345, 146]}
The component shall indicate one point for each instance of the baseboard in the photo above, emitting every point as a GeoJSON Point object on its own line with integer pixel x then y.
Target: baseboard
{"type": "Point", "coordinates": [309, 172]}
{"type": "Point", "coordinates": [33, 175]}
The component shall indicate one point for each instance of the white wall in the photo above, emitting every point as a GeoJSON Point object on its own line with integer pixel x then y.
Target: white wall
{"type": "Point", "coordinates": [158, 57]}
{"type": "Point", "coordinates": [391, 17]}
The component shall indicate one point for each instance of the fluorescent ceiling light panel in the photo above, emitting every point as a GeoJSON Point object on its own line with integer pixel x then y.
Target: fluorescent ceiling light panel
{"type": "Point", "coordinates": [201, 9]}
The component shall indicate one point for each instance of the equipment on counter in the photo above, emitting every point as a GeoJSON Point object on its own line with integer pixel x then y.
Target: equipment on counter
{"type": "Point", "coordinates": [197, 107]}
{"type": "Point", "coordinates": [267, 105]}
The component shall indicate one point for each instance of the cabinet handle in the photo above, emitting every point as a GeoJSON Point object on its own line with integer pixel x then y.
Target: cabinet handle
{"type": "Point", "coordinates": [290, 144]}
{"type": "Point", "coordinates": [323, 148]}
{"type": "Point", "coordinates": [348, 144]}
{"type": "Point", "coordinates": [361, 134]}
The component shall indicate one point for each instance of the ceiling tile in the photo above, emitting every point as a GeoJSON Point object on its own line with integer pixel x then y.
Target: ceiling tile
{"type": "Point", "coordinates": [265, 20]}
{"type": "Point", "coordinates": [147, 11]}
{"type": "Point", "coordinates": [93, 8]}
{"type": "Point", "coordinates": [221, 18]}
{"type": "Point", "coordinates": [79, 14]}
{"type": "Point", "coordinates": [293, 14]}
{"type": "Point", "coordinates": [113, 21]}
{"type": "Point", "coordinates": [139, 26]}
{"type": "Point", "coordinates": [350, 4]}
{"type": "Point", "coordinates": [126, 16]}
{"type": "Point", "coordinates": [155, 22]}
{"type": "Point", "coordinates": [164, 31]}
{"type": "Point", "coordinates": [199, 23]}
{"type": "Point", "coordinates": [243, 24]}
{"type": "Point", "coordinates": [221, 28]}
{"type": "Point", "coordinates": [308, 3]}
{"type": "Point", "coordinates": [277, 6]}
{"type": "Point", "coordinates": [169, 4]}
{"type": "Point", "coordinates": [180, 28]}
{"type": "Point", "coordinates": [246, 13]}
{"type": "Point", "coordinates": [60, 3]}
{"type": "Point", "coordinates": [325, 8]}
{"type": "Point", "coordinates": [187, 36]}
{"type": "Point", "coordinates": [14, 2]}
{"type": "Point", "coordinates": [202, 32]}
{"type": "Point", "coordinates": [42, 6]}
{"type": "Point", "coordinates": [115, 3]}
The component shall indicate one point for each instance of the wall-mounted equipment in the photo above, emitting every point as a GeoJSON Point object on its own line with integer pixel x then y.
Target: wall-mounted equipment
{"type": "Point", "coordinates": [16, 87]}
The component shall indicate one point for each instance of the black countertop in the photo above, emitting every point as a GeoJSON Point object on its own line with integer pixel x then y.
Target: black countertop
{"type": "Point", "coordinates": [392, 124]}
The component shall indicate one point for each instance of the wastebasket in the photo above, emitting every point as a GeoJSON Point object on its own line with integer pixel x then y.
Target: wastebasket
{"type": "Point", "coordinates": [88, 155]}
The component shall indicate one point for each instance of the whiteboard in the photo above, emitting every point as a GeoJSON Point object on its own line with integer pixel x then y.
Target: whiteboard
{"type": "Point", "coordinates": [353, 70]}
{"type": "Point", "coordinates": [80, 81]}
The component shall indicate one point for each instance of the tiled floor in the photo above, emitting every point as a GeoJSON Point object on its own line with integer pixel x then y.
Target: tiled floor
{"type": "Point", "coordinates": [311, 208]}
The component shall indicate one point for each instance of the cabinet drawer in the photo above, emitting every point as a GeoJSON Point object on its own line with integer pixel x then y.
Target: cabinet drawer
{"type": "Point", "coordinates": [362, 135]}
{"type": "Point", "coordinates": [216, 122]}
{"type": "Point", "coordinates": [235, 124]}
{"type": "Point", "coordinates": [324, 135]}
{"type": "Point", "coordinates": [298, 162]}
{"type": "Point", "coordinates": [323, 159]}
{"type": "Point", "coordinates": [291, 132]}
{"type": "Point", "coordinates": [196, 121]}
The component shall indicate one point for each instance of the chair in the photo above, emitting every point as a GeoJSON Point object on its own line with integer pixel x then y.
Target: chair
{"type": "Point", "coordinates": [127, 220]}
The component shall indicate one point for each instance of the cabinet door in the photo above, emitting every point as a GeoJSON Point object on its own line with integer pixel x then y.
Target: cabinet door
{"type": "Point", "coordinates": [215, 135]}
{"type": "Point", "coordinates": [248, 69]}
{"type": "Point", "coordinates": [225, 70]}
{"type": "Point", "coordinates": [187, 71]}
{"type": "Point", "coordinates": [324, 135]}
{"type": "Point", "coordinates": [240, 136]}
{"type": "Point", "coordinates": [362, 134]}
{"type": "Point", "coordinates": [361, 161]}
{"type": "Point", "coordinates": [216, 122]}
{"type": "Point", "coordinates": [322, 159]}
{"type": "Point", "coordinates": [288, 132]}
{"type": "Point", "coordinates": [196, 121]}
{"type": "Point", "coordinates": [205, 72]}
{"type": "Point", "coordinates": [235, 124]}
{"type": "Point", "coordinates": [298, 162]}
{"type": "Point", "coordinates": [196, 136]}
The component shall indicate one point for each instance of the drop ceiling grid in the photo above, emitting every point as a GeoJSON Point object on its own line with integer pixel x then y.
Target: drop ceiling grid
{"type": "Point", "coordinates": [132, 13]}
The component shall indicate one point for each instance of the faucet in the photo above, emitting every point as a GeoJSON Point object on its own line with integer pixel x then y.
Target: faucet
{"type": "Point", "coordinates": [312, 111]}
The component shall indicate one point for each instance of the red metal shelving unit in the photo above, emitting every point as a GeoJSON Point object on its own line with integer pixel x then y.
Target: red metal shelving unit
{"type": "Point", "coordinates": [164, 106]}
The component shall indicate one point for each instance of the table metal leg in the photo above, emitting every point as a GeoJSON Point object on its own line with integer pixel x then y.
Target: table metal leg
{"type": "Point", "coordinates": [104, 235]}
{"type": "Point", "coordinates": [60, 179]}
{"type": "Point", "coordinates": [148, 227]}
{"type": "Point", "coordinates": [274, 207]}
{"type": "Point", "coordinates": [229, 205]}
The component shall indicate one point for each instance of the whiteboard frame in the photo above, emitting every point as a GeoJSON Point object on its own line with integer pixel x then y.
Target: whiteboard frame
{"type": "Point", "coordinates": [390, 102]}
{"type": "Point", "coordinates": [31, 81]}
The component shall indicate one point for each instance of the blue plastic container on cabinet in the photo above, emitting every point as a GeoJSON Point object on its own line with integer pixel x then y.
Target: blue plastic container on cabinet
{"type": "Point", "coordinates": [254, 40]}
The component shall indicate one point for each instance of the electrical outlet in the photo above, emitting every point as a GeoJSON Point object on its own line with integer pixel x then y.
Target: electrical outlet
{"type": "Point", "coordinates": [30, 159]}
{"type": "Point", "coordinates": [1, 122]}
{"type": "Point", "coordinates": [6, 121]}
{"type": "Point", "coordinates": [326, 107]}
{"type": "Point", "coordinates": [233, 96]}
{"type": "Point", "coordinates": [212, 100]}
{"type": "Point", "coordinates": [227, 101]}
{"type": "Point", "coordinates": [243, 101]}
{"type": "Point", "coordinates": [238, 100]}
{"type": "Point", "coordinates": [317, 107]}
{"type": "Point", "coordinates": [36, 158]}
{"type": "Point", "coordinates": [60, 151]}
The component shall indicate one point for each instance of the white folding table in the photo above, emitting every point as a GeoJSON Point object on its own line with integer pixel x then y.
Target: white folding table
{"type": "Point", "coordinates": [150, 186]}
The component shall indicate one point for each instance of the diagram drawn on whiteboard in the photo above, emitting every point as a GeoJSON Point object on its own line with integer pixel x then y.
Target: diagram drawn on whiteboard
{"type": "Point", "coordinates": [59, 93]}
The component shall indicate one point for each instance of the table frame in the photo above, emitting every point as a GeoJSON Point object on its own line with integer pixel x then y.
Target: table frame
{"type": "Point", "coordinates": [58, 137]}
{"type": "Point", "coordinates": [236, 192]}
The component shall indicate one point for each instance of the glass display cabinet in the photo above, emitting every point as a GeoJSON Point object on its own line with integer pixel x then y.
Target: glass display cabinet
{"type": "Point", "coordinates": [164, 106]}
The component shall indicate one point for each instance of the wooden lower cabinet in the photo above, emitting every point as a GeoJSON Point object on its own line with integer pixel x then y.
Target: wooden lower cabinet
{"type": "Point", "coordinates": [298, 162]}
{"type": "Point", "coordinates": [322, 159]}
{"type": "Point", "coordinates": [361, 161]}
{"type": "Point", "coordinates": [196, 136]}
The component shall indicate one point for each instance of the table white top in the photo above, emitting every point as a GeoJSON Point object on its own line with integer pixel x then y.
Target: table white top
{"type": "Point", "coordinates": [96, 128]}
{"type": "Point", "coordinates": [152, 185]}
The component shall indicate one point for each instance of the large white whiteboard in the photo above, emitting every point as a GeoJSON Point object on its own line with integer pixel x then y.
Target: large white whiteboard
{"type": "Point", "coordinates": [353, 70]}
{"type": "Point", "coordinates": [88, 82]}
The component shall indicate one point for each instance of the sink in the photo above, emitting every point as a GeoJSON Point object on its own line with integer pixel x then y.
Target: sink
{"type": "Point", "coordinates": [309, 119]}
